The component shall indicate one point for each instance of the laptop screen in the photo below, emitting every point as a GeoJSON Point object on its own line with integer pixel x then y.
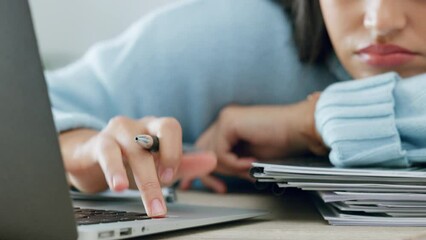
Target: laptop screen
{"type": "Point", "coordinates": [34, 193]}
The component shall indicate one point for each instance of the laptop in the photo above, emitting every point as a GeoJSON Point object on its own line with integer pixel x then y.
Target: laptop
{"type": "Point", "coordinates": [34, 195]}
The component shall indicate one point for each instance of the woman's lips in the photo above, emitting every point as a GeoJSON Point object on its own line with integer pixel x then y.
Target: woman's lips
{"type": "Point", "coordinates": [385, 55]}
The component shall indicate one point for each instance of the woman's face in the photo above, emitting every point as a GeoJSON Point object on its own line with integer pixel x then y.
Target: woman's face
{"type": "Point", "coordinates": [376, 36]}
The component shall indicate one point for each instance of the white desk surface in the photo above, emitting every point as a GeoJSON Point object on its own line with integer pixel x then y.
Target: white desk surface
{"type": "Point", "coordinates": [293, 217]}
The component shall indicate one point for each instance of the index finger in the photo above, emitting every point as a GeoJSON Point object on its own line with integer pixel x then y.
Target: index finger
{"type": "Point", "coordinates": [142, 165]}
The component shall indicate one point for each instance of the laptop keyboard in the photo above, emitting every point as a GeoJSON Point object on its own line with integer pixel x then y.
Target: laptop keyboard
{"type": "Point", "coordinates": [86, 216]}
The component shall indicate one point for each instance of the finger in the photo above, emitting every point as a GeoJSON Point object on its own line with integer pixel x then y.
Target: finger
{"type": "Point", "coordinates": [185, 183]}
{"type": "Point", "coordinates": [240, 174]}
{"type": "Point", "coordinates": [246, 176]}
{"type": "Point", "coordinates": [169, 133]}
{"type": "Point", "coordinates": [232, 163]}
{"type": "Point", "coordinates": [243, 170]}
{"type": "Point", "coordinates": [145, 174]}
{"type": "Point", "coordinates": [142, 164]}
{"type": "Point", "coordinates": [111, 161]}
{"type": "Point", "coordinates": [226, 138]}
{"type": "Point", "coordinates": [214, 183]}
{"type": "Point", "coordinates": [203, 142]}
{"type": "Point", "coordinates": [226, 135]}
{"type": "Point", "coordinates": [196, 164]}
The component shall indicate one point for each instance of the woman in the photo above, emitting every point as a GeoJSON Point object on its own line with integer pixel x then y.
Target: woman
{"type": "Point", "coordinates": [377, 121]}
{"type": "Point", "coordinates": [192, 60]}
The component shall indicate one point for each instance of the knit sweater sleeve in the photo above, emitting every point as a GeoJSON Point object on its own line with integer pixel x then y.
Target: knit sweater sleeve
{"type": "Point", "coordinates": [377, 121]}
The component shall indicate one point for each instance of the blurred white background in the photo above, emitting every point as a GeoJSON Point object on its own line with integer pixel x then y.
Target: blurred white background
{"type": "Point", "coordinates": [66, 29]}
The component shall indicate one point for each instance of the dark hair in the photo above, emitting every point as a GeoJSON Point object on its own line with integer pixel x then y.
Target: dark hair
{"type": "Point", "coordinates": [309, 32]}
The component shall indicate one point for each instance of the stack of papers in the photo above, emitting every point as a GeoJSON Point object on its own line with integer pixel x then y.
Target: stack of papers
{"type": "Point", "coordinates": [348, 196]}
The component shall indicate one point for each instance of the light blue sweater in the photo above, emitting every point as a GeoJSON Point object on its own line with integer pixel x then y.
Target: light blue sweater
{"type": "Point", "coordinates": [192, 59]}
{"type": "Point", "coordinates": [187, 61]}
{"type": "Point", "coordinates": [380, 120]}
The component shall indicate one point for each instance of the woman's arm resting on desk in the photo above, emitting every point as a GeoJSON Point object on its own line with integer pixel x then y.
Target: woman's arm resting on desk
{"type": "Point", "coordinates": [95, 160]}
{"type": "Point", "coordinates": [259, 132]}
{"type": "Point", "coordinates": [379, 121]}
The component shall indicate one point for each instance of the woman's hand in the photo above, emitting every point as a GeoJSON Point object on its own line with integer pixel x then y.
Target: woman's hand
{"type": "Point", "coordinates": [242, 134]}
{"type": "Point", "coordinates": [111, 158]}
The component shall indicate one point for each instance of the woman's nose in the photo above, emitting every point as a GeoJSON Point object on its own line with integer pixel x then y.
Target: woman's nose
{"type": "Point", "coordinates": [384, 17]}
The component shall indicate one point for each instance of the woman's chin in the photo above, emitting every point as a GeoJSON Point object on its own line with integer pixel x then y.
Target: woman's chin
{"type": "Point", "coordinates": [360, 70]}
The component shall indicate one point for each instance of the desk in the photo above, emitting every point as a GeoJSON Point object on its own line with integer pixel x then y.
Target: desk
{"type": "Point", "coordinates": [293, 217]}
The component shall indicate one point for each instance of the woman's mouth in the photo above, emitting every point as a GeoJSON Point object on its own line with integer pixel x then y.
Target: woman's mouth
{"type": "Point", "coordinates": [385, 55]}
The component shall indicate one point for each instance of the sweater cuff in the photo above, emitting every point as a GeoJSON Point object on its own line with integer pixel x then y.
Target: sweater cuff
{"type": "Point", "coordinates": [66, 121]}
{"type": "Point", "coordinates": [357, 121]}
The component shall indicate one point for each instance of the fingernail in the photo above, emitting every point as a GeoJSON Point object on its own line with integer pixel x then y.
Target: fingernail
{"type": "Point", "coordinates": [167, 175]}
{"type": "Point", "coordinates": [117, 181]}
{"type": "Point", "coordinates": [157, 208]}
